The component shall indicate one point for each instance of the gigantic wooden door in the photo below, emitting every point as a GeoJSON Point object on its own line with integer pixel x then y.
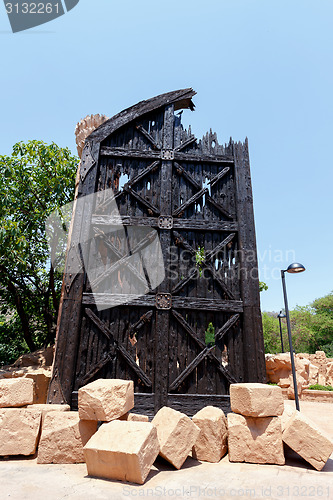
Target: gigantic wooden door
{"type": "Point", "coordinates": [196, 197]}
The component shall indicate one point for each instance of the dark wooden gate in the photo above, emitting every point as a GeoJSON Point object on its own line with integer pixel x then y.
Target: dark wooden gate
{"type": "Point", "coordinates": [197, 195]}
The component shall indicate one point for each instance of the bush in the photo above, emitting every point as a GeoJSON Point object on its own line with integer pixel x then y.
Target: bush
{"type": "Point", "coordinates": [318, 387]}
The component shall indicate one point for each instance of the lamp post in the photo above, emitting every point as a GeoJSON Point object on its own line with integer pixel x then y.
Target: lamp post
{"type": "Point", "coordinates": [280, 316]}
{"type": "Point", "coordinates": [293, 269]}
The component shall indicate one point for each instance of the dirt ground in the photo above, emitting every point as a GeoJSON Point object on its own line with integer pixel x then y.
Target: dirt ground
{"type": "Point", "coordinates": [22, 479]}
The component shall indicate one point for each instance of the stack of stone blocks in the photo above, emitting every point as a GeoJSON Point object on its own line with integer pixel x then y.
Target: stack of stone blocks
{"type": "Point", "coordinates": [261, 424]}
{"type": "Point", "coordinates": [119, 445]}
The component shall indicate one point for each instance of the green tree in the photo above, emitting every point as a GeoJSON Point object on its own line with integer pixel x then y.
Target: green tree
{"type": "Point", "coordinates": [34, 181]}
{"type": "Point", "coordinates": [323, 324]}
{"type": "Point", "coordinates": [311, 328]}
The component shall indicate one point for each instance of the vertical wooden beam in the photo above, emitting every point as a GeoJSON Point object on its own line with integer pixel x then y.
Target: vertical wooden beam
{"type": "Point", "coordinates": [253, 353]}
{"type": "Point", "coordinates": [69, 321]}
{"type": "Point", "coordinates": [163, 317]}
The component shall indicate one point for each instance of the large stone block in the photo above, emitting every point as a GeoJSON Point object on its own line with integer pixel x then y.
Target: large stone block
{"type": "Point", "coordinates": [106, 399]}
{"type": "Point", "coordinates": [19, 431]}
{"type": "Point", "coordinates": [308, 440]}
{"type": "Point", "coordinates": [45, 408]}
{"type": "Point", "coordinates": [256, 400]}
{"type": "Point", "coordinates": [176, 433]}
{"type": "Point", "coordinates": [211, 443]}
{"type": "Point", "coordinates": [255, 440]}
{"type": "Point", "coordinates": [329, 373]}
{"type": "Point", "coordinates": [134, 417]}
{"type": "Point", "coordinates": [63, 437]}
{"type": "Point", "coordinates": [16, 392]}
{"type": "Point", "coordinates": [122, 450]}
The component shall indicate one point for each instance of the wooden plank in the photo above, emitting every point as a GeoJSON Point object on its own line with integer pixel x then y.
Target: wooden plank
{"type": "Point", "coordinates": [203, 158]}
{"type": "Point", "coordinates": [189, 369]}
{"type": "Point", "coordinates": [181, 171]}
{"type": "Point", "coordinates": [218, 206]}
{"type": "Point", "coordinates": [112, 300]}
{"type": "Point", "coordinates": [253, 354]}
{"type": "Point", "coordinates": [202, 345]}
{"type": "Point", "coordinates": [101, 326]}
{"type": "Point", "coordinates": [162, 317]}
{"type": "Point", "coordinates": [220, 246]}
{"type": "Point", "coordinates": [189, 202]}
{"type": "Point", "coordinates": [222, 284]}
{"type": "Point", "coordinates": [151, 168]}
{"type": "Point", "coordinates": [219, 176]}
{"type": "Point", "coordinates": [95, 369]}
{"type": "Point", "coordinates": [99, 233]}
{"type": "Point", "coordinates": [195, 225]}
{"type": "Point", "coordinates": [151, 209]}
{"type": "Point", "coordinates": [184, 144]}
{"type": "Point", "coordinates": [123, 261]}
{"type": "Point", "coordinates": [130, 153]}
{"type": "Point", "coordinates": [145, 318]}
{"type": "Point", "coordinates": [185, 403]}
{"type": "Point", "coordinates": [144, 132]}
{"type": "Point", "coordinates": [226, 327]}
{"type": "Point", "coordinates": [181, 98]}
{"type": "Point", "coordinates": [69, 320]}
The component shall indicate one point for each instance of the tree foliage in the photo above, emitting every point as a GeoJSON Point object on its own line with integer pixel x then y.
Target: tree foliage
{"type": "Point", "coordinates": [34, 181]}
{"type": "Point", "coordinates": [311, 328]}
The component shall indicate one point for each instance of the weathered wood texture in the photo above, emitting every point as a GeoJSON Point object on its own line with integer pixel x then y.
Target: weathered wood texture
{"type": "Point", "coordinates": [197, 196]}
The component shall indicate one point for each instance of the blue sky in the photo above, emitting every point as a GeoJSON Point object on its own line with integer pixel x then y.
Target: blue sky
{"type": "Point", "coordinates": [261, 69]}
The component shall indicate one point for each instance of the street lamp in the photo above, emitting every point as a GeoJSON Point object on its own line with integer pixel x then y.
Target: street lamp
{"type": "Point", "coordinates": [280, 316]}
{"type": "Point", "coordinates": [293, 268]}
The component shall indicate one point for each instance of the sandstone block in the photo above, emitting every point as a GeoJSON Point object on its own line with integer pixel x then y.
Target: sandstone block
{"type": "Point", "coordinates": [308, 440]}
{"type": "Point", "coordinates": [45, 408]}
{"type": "Point", "coordinates": [16, 392]}
{"type": "Point", "coordinates": [106, 399]}
{"type": "Point", "coordinates": [313, 374]}
{"type": "Point", "coordinates": [286, 415]}
{"type": "Point", "coordinates": [122, 450]}
{"type": "Point", "coordinates": [134, 417]}
{"type": "Point", "coordinates": [255, 440]}
{"type": "Point", "coordinates": [19, 431]}
{"type": "Point", "coordinates": [256, 400]}
{"type": "Point", "coordinates": [177, 435]}
{"type": "Point", "coordinates": [63, 437]}
{"type": "Point", "coordinates": [300, 384]}
{"type": "Point", "coordinates": [211, 444]}
{"type": "Point", "coordinates": [329, 373]}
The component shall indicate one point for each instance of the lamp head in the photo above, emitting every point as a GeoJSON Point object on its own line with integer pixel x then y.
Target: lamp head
{"type": "Point", "coordinates": [281, 315]}
{"type": "Point", "coordinates": [296, 267]}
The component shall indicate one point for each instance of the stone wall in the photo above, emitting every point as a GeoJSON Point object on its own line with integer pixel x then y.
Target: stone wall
{"type": "Point", "coordinates": [311, 369]}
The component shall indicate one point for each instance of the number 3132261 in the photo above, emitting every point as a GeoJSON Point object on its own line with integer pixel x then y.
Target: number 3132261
{"type": "Point", "coordinates": [32, 8]}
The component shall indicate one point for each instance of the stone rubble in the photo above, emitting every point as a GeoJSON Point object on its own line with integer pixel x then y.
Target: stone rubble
{"type": "Point", "coordinates": [177, 435]}
{"type": "Point", "coordinates": [16, 392]}
{"type": "Point", "coordinates": [128, 457]}
{"type": "Point", "coordinates": [310, 442]}
{"type": "Point", "coordinates": [106, 399]}
{"type": "Point", "coordinates": [256, 440]}
{"type": "Point", "coordinates": [256, 400]}
{"type": "Point", "coordinates": [19, 431]}
{"type": "Point", "coordinates": [211, 444]}
{"type": "Point", "coordinates": [126, 445]}
{"type": "Point", "coordinates": [63, 437]}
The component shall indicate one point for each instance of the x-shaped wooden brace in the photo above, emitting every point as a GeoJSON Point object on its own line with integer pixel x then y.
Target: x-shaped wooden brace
{"type": "Point", "coordinates": [206, 351]}
{"type": "Point", "coordinates": [182, 242]}
{"type": "Point", "coordinates": [128, 187]}
{"type": "Point", "coordinates": [117, 348]}
{"type": "Point", "coordinates": [201, 191]}
{"type": "Point", "coordinates": [124, 258]}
